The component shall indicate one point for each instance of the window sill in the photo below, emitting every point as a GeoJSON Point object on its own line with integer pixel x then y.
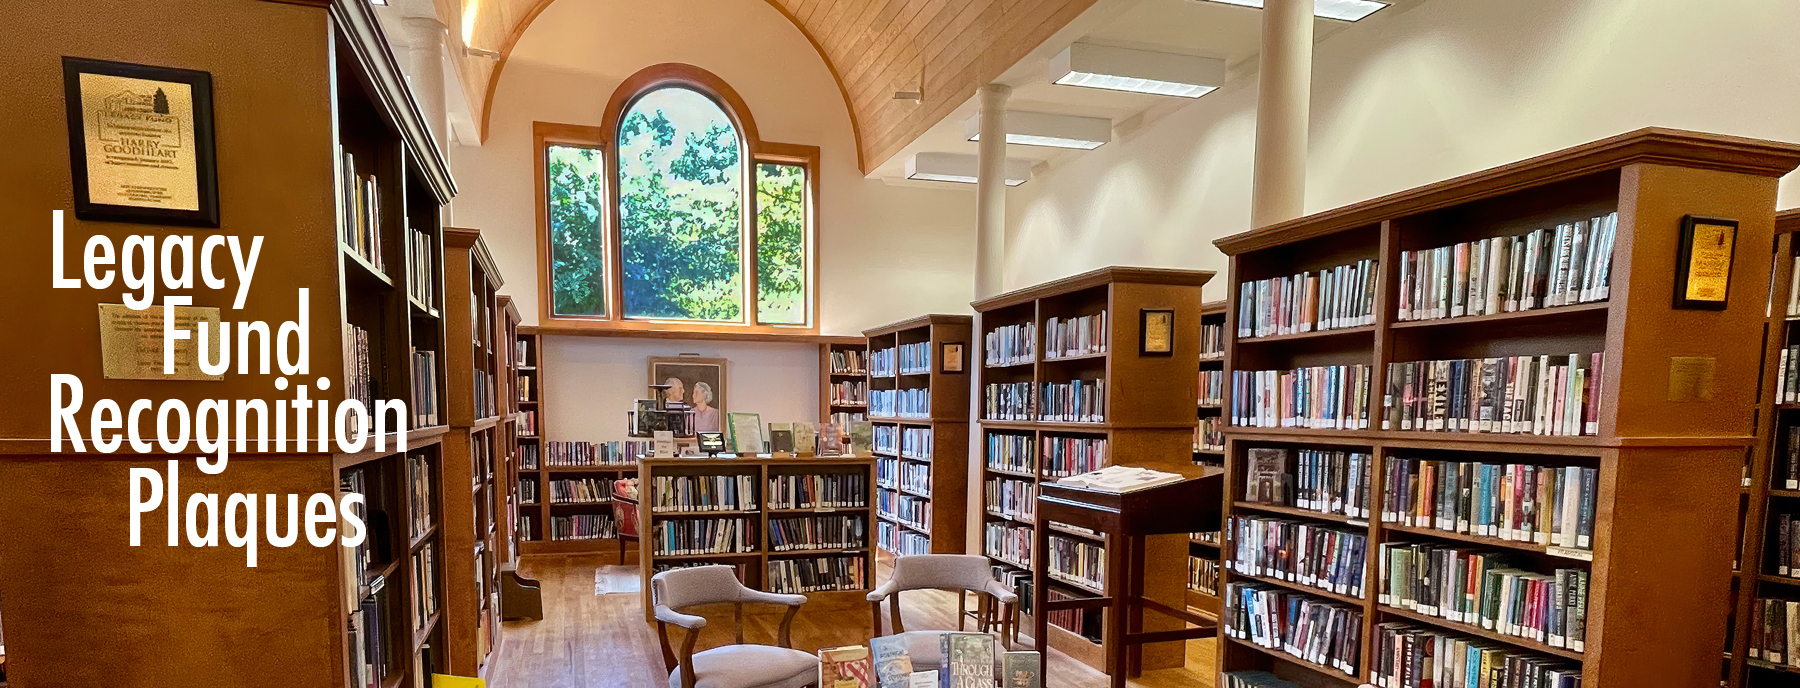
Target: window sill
{"type": "Point", "coordinates": [665, 330]}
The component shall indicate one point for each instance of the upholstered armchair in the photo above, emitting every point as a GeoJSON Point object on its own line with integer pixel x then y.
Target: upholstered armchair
{"type": "Point", "coordinates": [732, 666]}
{"type": "Point", "coordinates": [958, 573]}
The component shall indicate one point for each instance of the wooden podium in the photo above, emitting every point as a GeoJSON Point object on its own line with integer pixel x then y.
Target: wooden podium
{"type": "Point", "coordinates": [1129, 521]}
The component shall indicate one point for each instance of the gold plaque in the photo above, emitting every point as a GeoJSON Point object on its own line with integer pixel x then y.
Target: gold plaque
{"type": "Point", "coordinates": [1156, 332]}
{"type": "Point", "coordinates": [131, 342]}
{"type": "Point", "coordinates": [1691, 378]}
{"type": "Point", "coordinates": [141, 143]}
{"type": "Point", "coordinates": [1703, 273]}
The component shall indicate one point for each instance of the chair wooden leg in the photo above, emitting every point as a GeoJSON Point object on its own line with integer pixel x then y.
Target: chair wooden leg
{"type": "Point", "coordinates": [962, 609]}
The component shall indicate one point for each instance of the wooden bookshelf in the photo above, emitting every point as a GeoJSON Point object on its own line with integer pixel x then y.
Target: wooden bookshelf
{"type": "Point", "coordinates": [945, 456]}
{"type": "Point", "coordinates": [1212, 361]}
{"type": "Point", "coordinates": [475, 358]}
{"type": "Point", "coordinates": [506, 433]}
{"type": "Point", "coordinates": [1666, 468]}
{"type": "Point", "coordinates": [755, 563]}
{"type": "Point", "coordinates": [1764, 495]}
{"type": "Point", "coordinates": [537, 538]}
{"type": "Point", "coordinates": [850, 371]}
{"type": "Point", "coordinates": [1149, 415]}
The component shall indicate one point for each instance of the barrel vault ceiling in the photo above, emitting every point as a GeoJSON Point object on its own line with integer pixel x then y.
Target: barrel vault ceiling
{"type": "Point", "coordinates": [942, 48]}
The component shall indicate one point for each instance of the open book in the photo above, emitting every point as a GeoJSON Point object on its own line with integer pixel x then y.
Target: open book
{"type": "Point", "coordinates": [1121, 479]}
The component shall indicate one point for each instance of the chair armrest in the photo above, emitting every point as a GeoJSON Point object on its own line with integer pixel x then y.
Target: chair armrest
{"type": "Point", "coordinates": [687, 621]}
{"type": "Point", "coordinates": [882, 593]}
{"type": "Point", "coordinates": [760, 597]}
{"type": "Point", "coordinates": [1001, 593]}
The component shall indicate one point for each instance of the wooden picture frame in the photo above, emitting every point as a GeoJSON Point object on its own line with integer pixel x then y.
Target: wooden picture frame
{"type": "Point", "coordinates": [692, 372]}
{"type": "Point", "coordinates": [1156, 332]}
{"type": "Point", "coordinates": [1703, 263]}
{"type": "Point", "coordinates": [950, 358]}
{"type": "Point", "coordinates": [141, 143]}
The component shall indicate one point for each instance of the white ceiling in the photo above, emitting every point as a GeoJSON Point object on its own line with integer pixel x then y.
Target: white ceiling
{"type": "Point", "coordinates": [1194, 27]}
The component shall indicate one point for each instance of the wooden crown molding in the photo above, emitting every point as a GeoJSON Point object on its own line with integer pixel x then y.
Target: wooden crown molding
{"type": "Point", "coordinates": [1787, 221]}
{"type": "Point", "coordinates": [1095, 278]}
{"type": "Point", "coordinates": [920, 321]}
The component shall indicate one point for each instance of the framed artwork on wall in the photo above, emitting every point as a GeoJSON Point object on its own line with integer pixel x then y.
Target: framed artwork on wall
{"type": "Point", "coordinates": [697, 382]}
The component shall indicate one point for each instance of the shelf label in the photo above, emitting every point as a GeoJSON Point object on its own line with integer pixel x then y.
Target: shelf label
{"type": "Point", "coordinates": [1568, 553]}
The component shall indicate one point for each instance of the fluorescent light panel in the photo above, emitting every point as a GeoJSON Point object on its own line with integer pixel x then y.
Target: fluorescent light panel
{"type": "Point", "coordinates": [1341, 10]}
{"type": "Point", "coordinates": [1045, 129]}
{"type": "Point", "coordinates": [1138, 71]}
{"type": "Point", "coordinates": [961, 168]}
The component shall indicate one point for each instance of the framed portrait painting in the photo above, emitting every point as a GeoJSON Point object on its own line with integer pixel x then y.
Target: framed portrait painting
{"type": "Point", "coordinates": [697, 382]}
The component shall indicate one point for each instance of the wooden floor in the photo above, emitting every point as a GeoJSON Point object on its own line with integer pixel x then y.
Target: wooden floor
{"type": "Point", "coordinates": [602, 641]}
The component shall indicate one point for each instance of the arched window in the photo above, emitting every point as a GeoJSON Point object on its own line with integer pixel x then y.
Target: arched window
{"type": "Point", "coordinates": [673, 215]}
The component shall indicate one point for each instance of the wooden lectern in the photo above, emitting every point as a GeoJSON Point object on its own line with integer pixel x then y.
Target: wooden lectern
{"type": "Point", "coordinates": [1192, 505]}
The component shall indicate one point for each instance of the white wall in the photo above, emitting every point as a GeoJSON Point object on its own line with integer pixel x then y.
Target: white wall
{"type": "Point", "coordinates": [887, 253]}
{"type": "Point", "coordinates": [1448, 88]}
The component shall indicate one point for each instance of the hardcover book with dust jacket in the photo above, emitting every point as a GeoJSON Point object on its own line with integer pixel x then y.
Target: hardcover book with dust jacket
{"type": "Point", "coordinates": [968, 660]}
{"type": "Point", "coordinates": [893, 666]}
{"type": "Point", "coordinates": [846, 667]}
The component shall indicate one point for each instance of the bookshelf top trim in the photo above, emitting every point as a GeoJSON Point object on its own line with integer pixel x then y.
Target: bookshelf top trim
{"type": "Point", "coordinates": [1213, 307]}
{"type": "Point", "coordinates": [370, 49]}
{"type": "Point", "coordinates": [1787, 221]}
{"type": "Point", "coordinates": [748, 335]}
{"type": "Point", "coordinates": [1653, 145]}
{"type": "Point", "coordinates": [858, 460]}
{"type": "Point", "coordinates": [1095, 278]}
{"type": "Point", "coordinates": [920, 321]}
{"type": "Point", "coordinates": [458, 237]}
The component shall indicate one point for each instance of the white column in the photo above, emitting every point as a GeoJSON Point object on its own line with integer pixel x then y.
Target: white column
{"type": "Point", "coordinates": [425, 37]}
{"type": "Point", "coordinates": [990, 191]}
{"type": "Point", "coordinates": [1278, 190]}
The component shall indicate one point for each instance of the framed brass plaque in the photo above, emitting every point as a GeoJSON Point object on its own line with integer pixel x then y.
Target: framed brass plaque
{"type": "Point", "coordinates": [141, 143]}
{"type": "Point", "coordinates": [1703, 269]}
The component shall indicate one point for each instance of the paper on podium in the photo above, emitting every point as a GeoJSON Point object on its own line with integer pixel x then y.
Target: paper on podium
{"type": "Point", "coordinates": [445, 681]}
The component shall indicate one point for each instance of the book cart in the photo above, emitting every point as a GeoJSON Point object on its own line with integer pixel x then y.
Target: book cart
{"type": "Point", "coordinates": [922, 457]}
{"type": "Point", "coordinates": [1668, 427]}
{"type": "Point", "coordinates": [1148, 420]}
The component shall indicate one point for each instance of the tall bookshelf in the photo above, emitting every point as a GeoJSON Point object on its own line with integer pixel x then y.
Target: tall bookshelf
{"type": "Point", "coordinates": [1149, 420]}
{"type": "Point", "coordinates": [922, 456]}
{"type": "Point", "coordinates": [843, 383]}
{"type": "Point", "coordinates": [1767, 494]}
{"type": "Point", "coordinates": [472, 450]}
{"type": "Point", "coordinates": [506, 433]}
{"type": "Point", "coordinates": [541, 467]}
{"type": "Point", "coordinates": [531, 517]}
{"type": "Point", "coordinates": [1209, 450]}
{"type": "Point", "coordinates": [1667, 446]}
{"type": "Point", "coordinates": [759, 561]}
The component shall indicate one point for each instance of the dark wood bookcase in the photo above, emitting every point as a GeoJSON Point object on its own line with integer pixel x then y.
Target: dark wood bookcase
{"type": "Point", "coordinates": [507, 432]}
{"type": "Point", "coordinates": [946, 457]}
{"type": "Point", "coordinates": [832, 375]}
{"type": "Point", "coordinates": [1150, 402]}
{"type": "Point", "coordinates": [1668, 456]}
{"type": "Point", "coordinates": [1205, 546]}
{"type": "Point", "coordinates": [1765, 495]}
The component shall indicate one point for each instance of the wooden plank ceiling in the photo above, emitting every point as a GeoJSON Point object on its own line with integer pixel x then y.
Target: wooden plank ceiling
{"type": "Point", "coordinates": [946, 48]}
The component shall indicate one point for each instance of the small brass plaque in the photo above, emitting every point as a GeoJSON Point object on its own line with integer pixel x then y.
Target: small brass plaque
{"type": "Point", "coordinates": [131, 342]}
{"type": "Point", "coordinates": [1691, 378]}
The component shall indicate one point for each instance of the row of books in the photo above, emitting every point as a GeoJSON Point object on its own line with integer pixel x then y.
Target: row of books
{"type": "Point", "coordinates": [886, 439]}
{"type": "Point", "coordinates": [360, 367]}
{"type": "Point", "coordinates": [422, 267]}
{"type": "Point", "coordinates": [583, 527]}
{"type": "Point", "coordinates": [817, 574]}
{"type": "Point", "coordinates": [1775, 631]}
{"type": "Point", "coordinates": [881, 363]}
{"type": "Point", "coordinates": [849, 393]}
{"type": "Point", "coordinates": [1545, 268]}
{"type": "Point", "coordinates": [1323, 557]}
{"type": "Point", "coordinates": [844, 420]}
{"type": "Point", "coordinates": [912, 359]}
{"type": "Point", "coordinates": [1203, 576]}
{"type": "Point", "coordinates": [1066, 456]}
{"type": "Point", "coordinates": [900, 403]}
{"type": "Point", "coordinates": [1077, 336]}
{"type": "Point", "coordinates": [425, 589]}
{"type": "Point", "coordinates": [360, 227]}
{"type": "Point", "coordinates": [1076, 561]}
{"type": "Point", "coordinates": [583, 454]}
{"type": "Point", "coordinates": [1318, 397]}
{"type": "Point", "coordinates": [1406, 656]}
{"type": "Point", "coordinates": [420, 491]}
{"type": "Point", "coordinates": [522, 354]}
{"type": "Point", "coordinates": [915, 478]}
{"type": "Point", "coordinates": [901, 541]}
{"type": "Point", "coordinates": [907, 509]}
{"type": "Point", "coordinates": [1787, 546]}
{"type": "Point", "coordinates": [817, 532]}
{"type": "Point", "coordinates": [363, 556]}
{"type": "Point", "coordinates": [425, 388]}
{"type": "Point", "coordinates": [1254, 679]}
{"type": "Point", "coordinates": [818, 491]}
{"type": "Point", "coordinates": [1212, 340]}
{"type": "Point", "coordinates": [1333, 299]}
{"type": "Point", "coordinates": [1532, 395]}
{"type": "Point", "coordinates": [1010, 453]}
{"type": "Point", "coordinates": [685, 493]}
{"type": "Point", "coordinates": [915, 443]}
{"type": "Point", "coordinates": [1316, 630]}
{"type": "Point", "coordinates": [1075, 401]}
{"type": "Point", "coordinates": [958, 660]}
{"type": "Point", "coordinates": [1082, 622]}
{"type": "Point", "coordinates": [1014, 499]}
{"type": "Point", "coordinates": [1787, 379]}
{"type": "Point", "coordinates": [1546, 505]}
{"type": "Point", "coordinates": [527, 425]}
{"type": "Point", "coordinates": [1485, 589]}
{"type": "Point", "coordinates": [1209, 434]}
{"type": "Point", "coordinates": [1011, 345]}
{"type": "Point", "coordinates": [1212, 387]}
{"type": "Point", "coordinates": [484, 394]}
{"type": "Point", "coordinates": [528, 491]}
{"type": "Point", "coordinates": [1329, 482]}
{"type": "Point", "coordinates": [849, 362]}
{"type": "Point", "coordinates": [580, 491]}
{"type": "Point", "coordinates": [526, 387]}
{"type": "Point", "coordinates": [368, 633]}
{"type": "Point", "coordinates": [691, 536]}
{"type": "Point", "coordinates": [1008, 401]}
{"type": "Point", "coordinates": [887, 472]}
{"type": "Point", "coordinates": [1008, 542]}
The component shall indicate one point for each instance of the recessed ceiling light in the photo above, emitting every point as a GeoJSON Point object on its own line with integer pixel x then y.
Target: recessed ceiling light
{"type": "Point", "coordinates": [961, 168]}
{"type": "Point", "coordinates": [1138, 71]}
{"type": "Point", "coordinates": [1341, 10]}
{"type": "Point", "coordinates": [1045, 129]}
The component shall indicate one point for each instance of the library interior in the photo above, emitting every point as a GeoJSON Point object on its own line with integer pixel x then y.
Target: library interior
{"type": "Point", "coordinates": [901, 344]}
